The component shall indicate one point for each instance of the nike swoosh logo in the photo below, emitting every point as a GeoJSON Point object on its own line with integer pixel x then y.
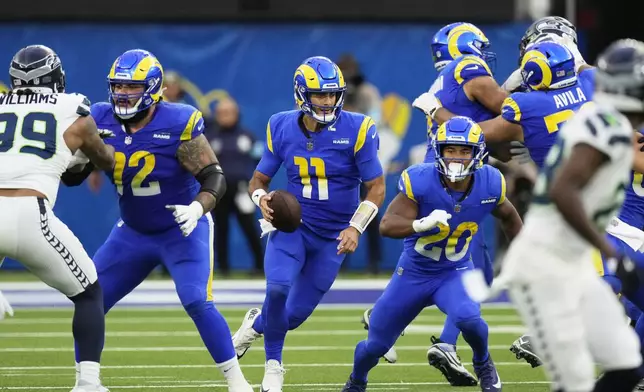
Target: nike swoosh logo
{"type": "Point", "coordinates": [374, 135]}
{"type": "Point", "coordinates": [498, 382]}
{"type": "Point", "coordinates": [471, 68]}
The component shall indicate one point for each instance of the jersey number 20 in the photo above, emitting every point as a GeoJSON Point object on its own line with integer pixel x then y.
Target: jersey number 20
{"type": "Point", "coordinates": [465, 229]}
{"type": "Point", "coordinates": [138, 189]}
{"type": "Point", "coordinates": [320, 175]}
{"type": "Point", "coordinates": [39, 128]}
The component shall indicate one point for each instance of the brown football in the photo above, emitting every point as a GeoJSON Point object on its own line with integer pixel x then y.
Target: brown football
{"type": "Point", "coordinates": [287, 212]}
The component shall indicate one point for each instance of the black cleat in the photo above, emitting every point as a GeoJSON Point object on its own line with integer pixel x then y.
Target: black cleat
{"type": "Point", "coordinates": [522, 348]}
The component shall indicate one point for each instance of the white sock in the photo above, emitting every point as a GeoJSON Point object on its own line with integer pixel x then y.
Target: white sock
{"type": "Point", "coordinates": [77, 372]}
{"type": "Point", "coordinates": [232, 372]}
{"type": "Point", "coordinates": [90, 372]}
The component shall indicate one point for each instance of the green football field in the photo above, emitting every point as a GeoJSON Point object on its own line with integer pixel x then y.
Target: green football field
{"type": "Point", "coordinates": [159, 349]}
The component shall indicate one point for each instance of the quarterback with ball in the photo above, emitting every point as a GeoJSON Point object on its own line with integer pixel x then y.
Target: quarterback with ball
{"type": "Point", "coordinates": [327, 153]}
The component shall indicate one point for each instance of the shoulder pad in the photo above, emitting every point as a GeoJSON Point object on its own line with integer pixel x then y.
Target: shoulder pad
{"type": "Point", "coordinates": [470, 67]}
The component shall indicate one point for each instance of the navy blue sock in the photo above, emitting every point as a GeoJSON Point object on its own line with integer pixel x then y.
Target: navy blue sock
{"type": "Point", "coordinates": [475, 333]}
{"type": "Point", "coordinates": [213, 329]}
{"type": "Point", "coordinates": [363, 362]}
{"type": "Point", "coordinates": [88, 324]}
{"type": "Point", "coordinates": [275, 320]}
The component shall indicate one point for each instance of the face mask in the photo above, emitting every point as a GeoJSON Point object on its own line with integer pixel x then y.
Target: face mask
{"type": "Point", "coordinates": [456, 171]}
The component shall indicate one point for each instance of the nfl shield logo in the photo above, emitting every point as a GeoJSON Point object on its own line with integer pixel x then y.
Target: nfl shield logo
{"type": "Point", "coordinates": [457, 208]}
{"type": "Point", "coordinates": [309, 145]}
{"type": "Point", "coordinates": [128, 140]}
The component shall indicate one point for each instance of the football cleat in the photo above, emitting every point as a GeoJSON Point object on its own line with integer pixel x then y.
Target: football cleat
{"type": "Point", "coordinates": [522, 348]}
{"type": "Point", "coordinates": [354, 386]}
{"type": "Point", "coordinates": [488, 376]}
{"type": "Point", "coordinates": [82, 386]}
{"type": "Point", "coordinates": [390, 356]}
{"type": "Point", "coordinates": [640, 386]}
{"type": "Point", "coordinates": [246, 335]}
{"type": "Point", "coordinates": [273, 377]}
{"type": "Point", "coordinates": [443, 357]}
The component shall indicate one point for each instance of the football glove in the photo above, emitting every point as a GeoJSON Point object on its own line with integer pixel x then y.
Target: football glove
{"type": "Point", "coordinates": [430, 221]}
{"type": "Point", "coordinates": [78, 159]}
{"type": "Point", "coordinates": [187, 216]}
{"type": "Point", "coordinates": [5, 307]}
{"type": "Point", "coordinates": [105, 133]}
{"type": "Point", "coordinates": [520, 152]}
{"type": "Point", "coordinates": [428, 103]}
{"type": "Point", "coordinates": [514, 81]}
{"type": "Point", "coordinates": [266, 227]}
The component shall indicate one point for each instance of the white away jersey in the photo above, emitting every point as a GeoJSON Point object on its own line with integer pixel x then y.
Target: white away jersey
{"type": "Point", "coordinates": [609, 132]}
{"type": "Point", "coordinates": [33, 152]}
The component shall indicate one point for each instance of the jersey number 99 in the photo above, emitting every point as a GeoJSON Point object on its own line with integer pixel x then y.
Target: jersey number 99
{"type": "Point", "coordinates": [465, 232]}
{"type": "Point", "coordinates": [37, 127]}
{"type": "Point", "coordinates": [138, 189]}
{"type": "Point", "coordinates": [305, 177]}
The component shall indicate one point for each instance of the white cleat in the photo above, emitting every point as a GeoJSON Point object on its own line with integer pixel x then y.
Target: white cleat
{"type": "Point", "coordinates": [390, 356]}
{"type": "Point", "coordinates": [443, 357]}
{"type": "Point", "coordinates": [82, 386]}
{"type": "Point", "coordinates": [246, 335]}
{"type": "Point", "coordinates": [241, 388]}
{"type": "Point", "coordinates": [273, 377]}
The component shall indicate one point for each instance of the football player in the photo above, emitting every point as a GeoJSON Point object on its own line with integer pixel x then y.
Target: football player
{"type": "Point", "coordinates": [42, 127]}
{"type": "Point", "coordinates": [438, 210]}
{"type": "Point", "coordinates": [327, 153]}
{"type": "Point", "coordinates": [168, 180]}
{"type": "Point", "coordinates": [574, 318]}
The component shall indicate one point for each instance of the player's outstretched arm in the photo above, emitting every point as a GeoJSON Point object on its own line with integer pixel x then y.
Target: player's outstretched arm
{"type": "Point", "coordinates": [487, 92]}
{"type": "Point", "coordinates": [398, 220]}
{"type": "Point", "coordinates": [83, 135]}
{"type": "Point", "coordinates": [197, 157]}
{"type": "Point", "coordinates": [565, 189]}
{"type": "Point", "coordinates": [511, 223]}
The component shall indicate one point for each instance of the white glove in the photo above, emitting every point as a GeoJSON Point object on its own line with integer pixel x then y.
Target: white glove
{"type": "Point", "coordinates": [477, 288]}
{"type": "Point", "coordinates": [5, 307]}
{"type": "Point", "coordinates": [513, 81]}
{"type": "Point", "coordinates": [520, 153]}
{"type": "Point", "coordinates": [430, 221]}
{"type": "Point", "coordinates": [572, 47]}
{"type": "Point", "coordinates": [428, 103]}
{"type": "Point", "coordinates": [266, 227]}
{"type": "Point", "coordinates": [78, 159]}
{"type": "Point", "coordinates": [105, 133]}
{"type": "Point", "coordinates": [187, 216]}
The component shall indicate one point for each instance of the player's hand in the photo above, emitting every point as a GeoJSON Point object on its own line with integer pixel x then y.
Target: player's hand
{"type": "Point", "coordinates": [187, 216]}
{"type": "Point", "coordinates": [520, 152]}
{"type": "Point", "coordinates": [267, 212]}
{"type": "Point", "coordinates": [514, 81]}
{"type": "Point", "coordinates": [432, 220]}
{"type": "Point", "coordinates": [428, 103]}
{"type": "Point", "coordinates": [348, 240]}
{"type": "Point", "coordinates": [79, 160]}
{"type": "Point", "coordinates": [105, 133]}
{"type": "Point", "coordinates": [5, 307]}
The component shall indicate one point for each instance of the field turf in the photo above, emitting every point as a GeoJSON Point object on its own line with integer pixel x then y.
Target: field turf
{"type": "Point", "coordinates": [159, 349]}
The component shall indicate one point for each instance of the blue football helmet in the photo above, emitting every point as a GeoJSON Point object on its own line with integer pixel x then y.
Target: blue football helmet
{"type": "Point", "coordinates": [319, 75]}
{"type": "Point", "coordinates": [619, 78]}
{"type": "Point", "coordinates": [462, 39]}
{"type": "Point", "coordinates": [137, 67]}
{"type": "Point", "coordinates": [440, 52]}
{"type": "Point", "coordinates": [548, 66]}
{"type": "Point", "coordinates": [459, 131]}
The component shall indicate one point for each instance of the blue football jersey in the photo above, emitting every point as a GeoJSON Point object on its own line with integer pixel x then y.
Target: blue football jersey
{"type": "Point", "coordinates": [542, 113]}
{"type": "Point", "coordinates": [324, 169]}
{"type": "Point", "coordinates": [632, 211]}
{"type": "Point", "coordinates": [147, 174]}
{"type": "Point", "coordinates": [452, 95]}
{"type": "Point", "coordinates": [448, 246]}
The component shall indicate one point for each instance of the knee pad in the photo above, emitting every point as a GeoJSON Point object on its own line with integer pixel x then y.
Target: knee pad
{"type": "Point", "coordinates": [93, 292]}
{"type": "Point", "coordinates": [614, 282]}
{"type": "Point", "coordinates": [467, 313]}
{"type": "Point", "coordinates": [198, 307]}
{"type": "Point", "coordinates": [277, 292]}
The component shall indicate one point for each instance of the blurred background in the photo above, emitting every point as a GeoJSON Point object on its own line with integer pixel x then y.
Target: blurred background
{"type": "Point", "coordinates": [234, 60]}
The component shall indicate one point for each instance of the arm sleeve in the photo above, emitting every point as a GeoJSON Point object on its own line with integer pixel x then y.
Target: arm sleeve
{"type": "Point", "coordinates": [270, 162]}
{"type": "Point", "coordinates": [366, 151]}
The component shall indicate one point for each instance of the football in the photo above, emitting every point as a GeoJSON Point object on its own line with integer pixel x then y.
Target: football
{"type": "Point", "coordinates": [287, 211]}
